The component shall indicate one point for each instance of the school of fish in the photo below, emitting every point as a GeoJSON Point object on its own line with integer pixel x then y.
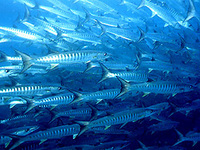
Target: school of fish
{"type": "Point", "coordinates": [97, 74]}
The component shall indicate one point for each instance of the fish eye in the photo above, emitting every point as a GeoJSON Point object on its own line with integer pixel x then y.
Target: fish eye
{"type": "Point", "coordinates": [59, 88]}
{"type": "Point", "coordinates": [105, 54]}
{"type": "Point", "coordinates": [191, 86]}
{"type": "Point", "coordinates": [7, 71]}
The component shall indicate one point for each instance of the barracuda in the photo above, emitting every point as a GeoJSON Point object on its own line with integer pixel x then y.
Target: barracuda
{"type": "Point", "coordinates": [62, 58]}
{"type": "Point", "coordinates": [190, 136]}
{"type": "Point", "coordinates": [50, 101]}
{"type": "Point", "coordinates": [111, 65]}
{"type": "Point", "coordinates": [60, 12]}
{"type": "Point", "coordinates": [119, 118]}
{"type": "Point", "coordinates": [24, 34]}
{"type": "Point", "coordinates": [166, 13]}
{"type": "Point", "coordinates": [98, 4]}
{"type": "Point", "coordinates": [96, 96]}
{"type": "Point", "coordinates": [17, 119]}
{"type": "Point", "coordinates": [73, 113]}
{"type": "Point", "coordinates": [52, 133]}
{"type": "Point", "coordinates": [154, 87]}
{"type": "Point", "coordinates": [85, 37]}
{"type": "Point", "coordinates": [30, 90]}
{"type": "Point", "coordinates": [134, 76]}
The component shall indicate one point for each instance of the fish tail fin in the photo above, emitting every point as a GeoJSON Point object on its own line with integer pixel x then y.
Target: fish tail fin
{"type": "Point", "coordinates": [26, 14]}
{"type": "Point", "coordinates": [54, 116]}
{"type": "Point", "coordinates": [142, 35]}
{"type": "Point", "coordinates": [124, 87]}
{"type": "Point", "coordinates": [191, 12]}
{"type": "Point", "coordinates": [77, 96]}
{"type": "Point", "coordinates": [181, 138]}
{"type": "Point", "coordinates": [142, 145]}
{"type": "Point", "coordinates": [26, 60]}
{"type": "Point", "coordinates": [94, 111]}
{"type": "Point", "coordinates": [85, 126]}
{"type": "Point", "coordinates": [102, 27]}
{"type": "Point", "coordinates": [138, 60]}
{"type": "Point", "coordinates": [16, 140]}
{"type": "Point", "coordinates": [37, 6]}
{"type": "Point", "coordinates": [3, 57]}
{"type": "Point", "coordinates": [105, 73]}
{"type": "Point", "coordinates": [87, 16]}
{"type": "Point", "coordinates": [142, 4]}
{"type": "Point", "coordinates": [89, 67]}
{"type": "Point", "coordinates": [30, 105]}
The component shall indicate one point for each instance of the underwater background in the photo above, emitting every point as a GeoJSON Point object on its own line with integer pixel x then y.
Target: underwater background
{"type": "Point", "coordinates": [97, 74]}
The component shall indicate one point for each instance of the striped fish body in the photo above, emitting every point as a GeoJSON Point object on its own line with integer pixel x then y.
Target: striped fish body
{"type": "Point", "coordinates": [122, 117]}
{"type": "Point", "coordinates": [96, 96]}
{"type": "Point", "coordinates": [55, 100]}
{"type": "Point", "coordinates": [161, 87]}
{"type": "Point", "coordinates": [85, 37]}
{"type": "Point", "coordinates": [22, 33]}
{"type": "Point", "coordinates": [134, 76]}
{"type": "Point", "coordinates": [52, 133]}
{"type": "Point", "coordinates": [161, 10]}
{"type": "Point", "coordinates": [72, 57]}
{"type": "Point", "coordinates": [100, 95]}
{"type": "Point", "coordinates": [156, 65]}
{"type": "Point", "coordinates": [17, 119]}
{"type": "Point", "coordinates": [80, 112]}
{"type": "Point", "coordinates": [32, 90]}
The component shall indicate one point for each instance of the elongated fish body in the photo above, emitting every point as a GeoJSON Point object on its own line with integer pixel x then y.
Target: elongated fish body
{"type": "Point", "coordinates": [97, 96]}
{"type": "Point", "coordinates": [122, 117]}
{"type": "Point", "coordinates": [56, 100]}
{"type": "Point", "coordinates": [50, 101]}
{"type": "Point", "coordinates": [59, 4]}
{"type": "Point", "coordinates": [124, 33]}
{"type": "Point", "coordinates": [99, 5]}
{"type": "Point", "coordinates": [15, 70]}
{"type": "Point", "coordinates": [162, 126]}
{"type": "Point", "coordinates": [59, 12]}
{"type": "Point", "coordinates": [29, 3]}
{"type": "Point", "coordinates": [85, 37]}
{"type": "Point", "coordinates": [111, 130]}
{"type": "Point", "coordinates": [63, 58]}
{"type": "Point", "coordinates": [17, 119]}
{"type": "Point", "coordinates": [161, 87]}
{"type": "Point", "coordinates": [112, 65]}
{"type": "Point", "coordinates": [156, 65]}
{"type": "Point", "coordinates": [134, 76]}
{"type": "Point", "coordinates": [79, 112]}
{"type": "Point", "coordinates": [161, 10]}
{"type": "Point", "coordinates": [72, 57]}
{"type": "Point", "coordinates": [31, 90]}
{"type": "Point", "coordinates": [52, 133]}
{"type": "Point", "coordinates": [21, 33]}
{"type": "Point", "coordinates": [190, 136]}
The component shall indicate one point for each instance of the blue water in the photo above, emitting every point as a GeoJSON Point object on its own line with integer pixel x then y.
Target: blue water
{"type": "Point", "coordinates": [134, 41]}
